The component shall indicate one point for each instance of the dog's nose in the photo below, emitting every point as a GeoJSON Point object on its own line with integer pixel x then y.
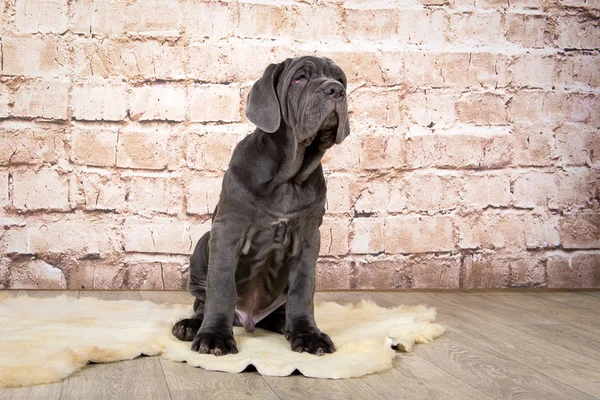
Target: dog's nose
{"type": "Point", "coordinates": [335, 90]}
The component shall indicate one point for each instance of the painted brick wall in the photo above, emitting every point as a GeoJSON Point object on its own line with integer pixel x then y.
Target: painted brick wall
{"type": "Point", "coordinates": [474, 160]}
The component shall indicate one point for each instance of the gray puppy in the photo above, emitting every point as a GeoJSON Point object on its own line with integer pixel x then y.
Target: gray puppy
{"type": "Point", "coordinates": [256, 266]}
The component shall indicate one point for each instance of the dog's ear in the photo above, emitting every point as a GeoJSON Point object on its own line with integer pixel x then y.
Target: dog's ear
{"type": "Point", "coordinates": [262, 107]}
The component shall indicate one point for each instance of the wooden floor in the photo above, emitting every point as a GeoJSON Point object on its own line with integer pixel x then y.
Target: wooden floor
{"type": "Point", "coordinates": [498, 345]}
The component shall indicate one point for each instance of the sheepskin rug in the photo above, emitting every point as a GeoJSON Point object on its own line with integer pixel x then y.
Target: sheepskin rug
{"type": "Point", "coordinates": [46, 340]}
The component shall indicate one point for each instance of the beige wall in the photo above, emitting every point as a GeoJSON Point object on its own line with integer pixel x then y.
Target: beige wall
{"type": "Point", "coordinates": [473, 162]}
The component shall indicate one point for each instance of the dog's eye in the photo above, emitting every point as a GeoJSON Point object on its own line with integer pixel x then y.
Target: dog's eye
{"type": "Point", "coordinates": [300, 79]}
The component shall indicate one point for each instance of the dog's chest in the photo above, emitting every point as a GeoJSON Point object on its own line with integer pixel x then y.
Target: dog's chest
{"type": "Point", "coordinates": [289, 200]}
{"type": "Point", "coordinates": [262, 273]}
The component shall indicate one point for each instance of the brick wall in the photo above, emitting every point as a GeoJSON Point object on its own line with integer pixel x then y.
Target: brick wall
{"type": "Point", "coordinates": [473, 162]}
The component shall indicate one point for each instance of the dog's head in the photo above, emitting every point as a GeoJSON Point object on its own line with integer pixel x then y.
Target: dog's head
{"type": "Point", "coordinates": [307, 94]}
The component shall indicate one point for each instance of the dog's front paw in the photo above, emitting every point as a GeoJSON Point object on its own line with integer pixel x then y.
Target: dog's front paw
{"type": "Point", "coordinates": [217, 343]}
{"type": "Point", "coordinates": [312, 341]}
{"type": "Point", "coordinates": [186, 329]}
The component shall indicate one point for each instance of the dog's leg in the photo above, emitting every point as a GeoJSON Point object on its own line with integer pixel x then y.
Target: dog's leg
{"type": "Point", "coordinates": [216, 332]}
{"type": "Point", "coordinates": [301, 328]}
{"type": "Point", "coordinates": [187, 328]}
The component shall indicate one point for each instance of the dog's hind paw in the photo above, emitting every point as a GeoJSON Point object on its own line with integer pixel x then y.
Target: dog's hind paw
{"type": "Point", "coordinates": [186, 329]}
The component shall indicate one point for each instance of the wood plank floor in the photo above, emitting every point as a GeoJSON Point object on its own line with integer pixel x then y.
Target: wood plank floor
{"type": "Point", "coordinates": [498, 345]}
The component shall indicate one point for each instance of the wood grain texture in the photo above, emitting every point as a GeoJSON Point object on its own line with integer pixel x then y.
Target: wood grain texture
{"type": "Point", "coordinates": [187, 382]}
{"type": "Point", "coordinates": [141, 378]}
{"type": "Point", "coordinates": [550, 310]}
{"type": "Point", "coordinates": [416, 378]}
{"type": "Point", "coordinates": [302, 388]}
{"type": "Point", "coordinates": [574, 299]}
{"type": "Point", "coordinates": [111, 295]}
{"type": "Point", "coordinates": [42, 392]}
{"type": "Point", "coordinates": [167, 297]}
{"type": "Point", "coordinates": [493, 372]}
{"type": "Point", "coordinates": [545, 357]}
{"type": "Point", "coordinates": [578, 338]}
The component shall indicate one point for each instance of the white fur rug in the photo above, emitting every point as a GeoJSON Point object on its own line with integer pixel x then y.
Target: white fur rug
{"type": "Point", "coordinates": [46, 340]}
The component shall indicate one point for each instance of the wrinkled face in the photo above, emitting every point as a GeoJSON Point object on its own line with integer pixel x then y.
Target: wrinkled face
{"type": "Point", "coordinates": [306, 94]}
{"type": "Point", "coordinates": [312, 97]}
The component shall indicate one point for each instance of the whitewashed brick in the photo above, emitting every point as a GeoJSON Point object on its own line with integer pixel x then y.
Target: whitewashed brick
{"type": "Point", "coordinates": [210, 60]}
{"type": "Point", "coordinates": [491, 231]}
{"type": "Point", "coordinates": [5, 100]}
{"type": "Point", "coordinates": [534, 71]}
{"type": "Point", "coordinates": [150, 59]}
{"type": "Point", "coordinates": [212, 103]}
{"type": "Point", "coordinates": [334, 236]}
{"type": "Point", "coordinates": [158, 102]}
{"type": "Point", "coordinates": [381, 108]}
{"type": "Point", "coordinates": [541, 231]}
{"type": "Point", "coordinates": [265, 21]}
{"type": "Point", "coordinates": [583, 108]}
{"type": "Point", "coordinates": [41, 16]}
{"type": "Point", "coordinates": [578, 144]}
{"type": "Point", "coordinates": [27, 143]}
{"type": "Point", "coordinates": [96, 147]}
{"type": "Point", "coordinates": [42, 98]}
{"type": "Point", "coordinates": [475, 29]}
{"type": "Point", "coordinates": [462, 147]}
{"type": "Point", "coordinates": [211, 151]}
{"type": "Point", "coordinates": [425, 192]}
{"type": "Point", "coordinates": [427, 69]}
{"type": "Point", "coordinates": [373, 25]}
{"type": "Point", "coordinates": [580, 230]}
{"type": "Point", "coordinates": [154, 195]}
{"type": "Point", "coordinates": [74, 237]}
{"type": "Point", "coordinates": [418, 234]}
{"type": "Point", "coordinates": [382, 151]}
{"type": "Point", "coordinates": [577, 31]}
{"type": "Point", "coordinates": [4, 189]}
{"type": "Point", "coordinates": [533, 145]}
{"type": "Point", "coordinates": [575, 188]}
{"type": "Point", "coordinates": [34, 56]}
{"type": "Point", "coordinates": [40, 190]}
{"type": "Point", "coordinates": [508, 230]}
{"type": "Point", "coordinates": [474, 133]}
{"type": "Point", "coordinates": [368, 236]}
{"type": "Point", "coordinates": [104, 193]}
{"type": "Point", "coordinates": [345, 156]}
{"type": "Point", "coordinates": [203, 195]}
{"type": "Point", "coordinates": [482, 109]}
{"type": "Point", "coordinates": [162, 235]}
{"type": "Point", "coordinates": [431, 108]}
{"type": "Point", "coordinates": [422, 26]}
{"type": "Point", "coordinates": [537, 107]}
{"type": "Point", "coordinates": [36, 274]}
{"type": "Point", "coordinates": [339, 197]}
{"type": "Point", "coordinates": [147, 18]}
{"type": "Point", "coordinates": [481, 191]}
{"type": "Point", "coordinates": [100, 101]}
{"type": "Point", "coordinates": [373, 197]}
{"type": "Point", "coordinates": [533, 189]}
{"type": "Point", "coordinates": [209, 19]}
{"type": "Point", "coordinates": [580, 68]}
{"type": "Point", "coordinates": [528, 30]}
{"type": "Point", "coordinates": [314, 24]}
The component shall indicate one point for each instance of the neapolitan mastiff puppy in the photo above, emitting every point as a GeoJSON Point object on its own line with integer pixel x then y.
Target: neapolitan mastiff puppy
{"type": "Point", "coordinates": [256, 266]}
